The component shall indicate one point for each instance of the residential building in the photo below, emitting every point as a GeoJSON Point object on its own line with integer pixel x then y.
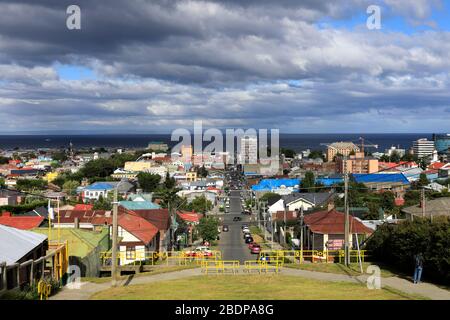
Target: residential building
{"type": "Point", "coordinates": [18, 246]}
{"type": "Point", "coordinates": [137, 166]}
{"type": "Point", "coordinates": [137, 237]}
{"type": "Point", "coordinates": [357, 163]}
{"type": "Point", "coordinates": [186, 153]}
{"type": "Point", "coordinates": [296, 201]}
{"type": "Point", "coordinates": [325, 230]}
{"type": "Point", "coordinates": [423, 148]}
{"type": "Point", "coordinates": [97, 189]}
{"type": "Point", "coordinates": [158, 146]}
{"type": "Point", "coordinates": [9, 197]}
{"type": "Point", "coordinates": [395, 182]}
{"type": "Point", "coordinates": [432, 208]}
{"type": "Point", "coordinates": [21, 221]}
{"type": "Point", "coordinates": [85, 247]}
{"type": "Point", "coordinates": [341, 148]}
{"type": "Point", "coordinates": [248, 150]}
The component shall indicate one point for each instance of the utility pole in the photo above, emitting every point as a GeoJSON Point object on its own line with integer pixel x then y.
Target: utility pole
{"type": "Point", "coordinates": [114, 241]}
{"type": "Point", "coordinates": [423, 202]}
{"type": "Point", "coordinates": [301, 234]}
{"type": "Point", "coordinates": [346, 216]}
{"type": "Point", "coordinates": [265, 224]}
{"type": "Point", "coordinates": [284, 220]}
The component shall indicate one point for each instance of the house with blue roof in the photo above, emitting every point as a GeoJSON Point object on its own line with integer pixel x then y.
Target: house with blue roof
{"type": "Point", "coordinates": [395, 182]}
{"type": "Point", "coordinates": [97, 189]}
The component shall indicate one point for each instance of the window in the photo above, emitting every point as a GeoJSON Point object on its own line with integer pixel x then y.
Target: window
{"type": "Point", "coordinates": [131, 253]}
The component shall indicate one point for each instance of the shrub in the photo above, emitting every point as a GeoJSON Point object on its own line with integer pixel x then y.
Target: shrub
{"type": "Point", "coordinates": [397, 244]}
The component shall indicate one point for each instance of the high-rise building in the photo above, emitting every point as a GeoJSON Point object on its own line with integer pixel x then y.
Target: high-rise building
{"type": "Point", "coordinates": [249, 150]}
{"type": "Point", "coordinates": [442, 143]}
{"type": "Point", "coordinates": [423, 148]}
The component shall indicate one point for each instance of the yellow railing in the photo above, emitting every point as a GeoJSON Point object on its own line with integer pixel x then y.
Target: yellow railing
{"type": "Point", "coordinates": [141, 257]}
{"type": "Point", "coordinates": [220, 266]}
{"type": "Point", "coordinates": [263, 266]}
{"type": "Point", "coordinates": [298, 256]}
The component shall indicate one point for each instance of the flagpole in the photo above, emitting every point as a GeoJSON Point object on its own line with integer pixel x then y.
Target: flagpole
{"type": "Point", "coordinates": [49, 221]}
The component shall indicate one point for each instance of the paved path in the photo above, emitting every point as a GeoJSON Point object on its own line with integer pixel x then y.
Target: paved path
{"type": "Point", "coordinates": [424, 289]}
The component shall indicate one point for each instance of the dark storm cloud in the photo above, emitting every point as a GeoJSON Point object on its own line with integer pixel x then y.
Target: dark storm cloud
{"type": "Point", "coordinates": [165, 63]}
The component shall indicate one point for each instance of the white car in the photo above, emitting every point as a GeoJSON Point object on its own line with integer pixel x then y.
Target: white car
{"type": "Point", "coordinates": [246, 230]}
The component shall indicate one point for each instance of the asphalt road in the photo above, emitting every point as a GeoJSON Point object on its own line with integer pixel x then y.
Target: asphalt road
{"type": "Point", "coordinates": [232, 243]}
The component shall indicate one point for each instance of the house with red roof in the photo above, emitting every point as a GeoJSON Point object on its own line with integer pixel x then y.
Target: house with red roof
{"type": "Point", "coordinates": [137, 238]}
{"type": "Point", "coordinates": [160, 218]}
{"type": "Point", "coordinates": [83, 207]}
{"type": "Point", "coordinates": [325, 229]}
{"type": "Point", "coordinates": [21, 222]}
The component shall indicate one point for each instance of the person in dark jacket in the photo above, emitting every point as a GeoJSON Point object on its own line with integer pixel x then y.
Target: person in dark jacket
{"type": "Point", "coordinates": [418, 258]}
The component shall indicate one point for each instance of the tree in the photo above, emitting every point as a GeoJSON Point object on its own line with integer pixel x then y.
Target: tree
{"type": "Point", "coordinates": [208, 228]}
{"type": "Point", "coordinates": [59, 156]}
{"type": "Point", "coordinates": [98, 168]}
{"type": "Point", "coordinates": [308, 181]}
{"type": "Point", "coordinates": [148, 181]}
{"type": "Point", "coordinates": [423, 180]}
{"type": "Point", "coordinates": [409, 157]}
{"type": "Point", "coordinates": [396, 244]}
{"type": "Point", "coordinates": [70, 187]}
{"type": "Point", "coordinates": [169, 182]}
{"type": "Point", "coordinates": [384, 158]}
{"type": "Point", "coordinates": [270, 196]}
{"type": "Point", "coordinates": [30, 184]}
{"type": "Point", "coordinates": [288, 153]}
{"type": "Point", "coordinates": [316, 154]}
{"type": "Point", "coordinates": [202, 172]}
{"type": "Point", "coordinates": [4, 160]}
{"type": "Point", "coordinates": [102, 204]}
{"type": "Point", "coordinates": [200, 204]}
{"type": "Point", "coordinates": [395, 157]}
{"type": "Point", "coordinates": [2, 182]}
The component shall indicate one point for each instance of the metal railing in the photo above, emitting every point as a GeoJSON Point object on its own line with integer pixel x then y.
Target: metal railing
{"type": "Point", "coordinates": [220, 266]}
{"type": "Point", "coordinates": [299, 256]}
{"type": "Point", "coordinates": [54, 265]}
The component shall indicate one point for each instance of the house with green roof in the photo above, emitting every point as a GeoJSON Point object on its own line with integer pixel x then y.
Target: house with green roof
{"type": "Point", "coordinates": [139, 205]}
{"type": "Point", "coordinates": [84, 247]}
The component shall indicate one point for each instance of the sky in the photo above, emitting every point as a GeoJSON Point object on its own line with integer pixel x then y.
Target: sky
{"type": "Point", "coordinates": [300, 66]}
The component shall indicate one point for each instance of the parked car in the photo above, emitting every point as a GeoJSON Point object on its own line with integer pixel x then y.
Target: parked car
{"type": "Point", "coordinates": [200, 251]}
{"type": "Point", "coordinates": [256, 248]}
{"type": "Point", "coordinates": [247, 234]}
{"type": "Point", "coordinates": [237, 219]}
{"type": "Point", "coordinates": [225, 228]}
{"type": "Point", "coordinates": [244, 226]}
{"type": "Point", "coordinates": [249, 239]}
{"type": "Point", "coordinates": [250, 245]}
{"type": "Point", "coordinates": [246, 230]}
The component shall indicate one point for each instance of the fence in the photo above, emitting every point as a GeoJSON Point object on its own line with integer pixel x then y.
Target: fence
{"type": "Point", "coordinates": [263, 266]}
{"type": "Point", "coordinates": [220, 266]}
{"type": "Point", "coordinates": [54, 265]}
{"type": "Point", "coordinates": [299, 256]}
{"type": "Point", "coordinates": [139, 258]}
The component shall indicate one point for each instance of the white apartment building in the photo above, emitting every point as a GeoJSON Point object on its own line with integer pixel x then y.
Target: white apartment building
{"type": "Point", "coordinates": [249, 150]}
{"type": "Point", "coordinates": [423, 148]}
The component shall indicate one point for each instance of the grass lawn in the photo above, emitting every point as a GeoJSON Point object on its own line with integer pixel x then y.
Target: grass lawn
{"type": "Point", "coordinates": [352, 270]}
{"type": "Point", "coordinates": [156, 270]}
{"type": "Point", "coordinates": [251, 287]}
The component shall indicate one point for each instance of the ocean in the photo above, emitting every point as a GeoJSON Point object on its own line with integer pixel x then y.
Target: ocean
{"type": "Point", "coordinates": [297, 142]}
